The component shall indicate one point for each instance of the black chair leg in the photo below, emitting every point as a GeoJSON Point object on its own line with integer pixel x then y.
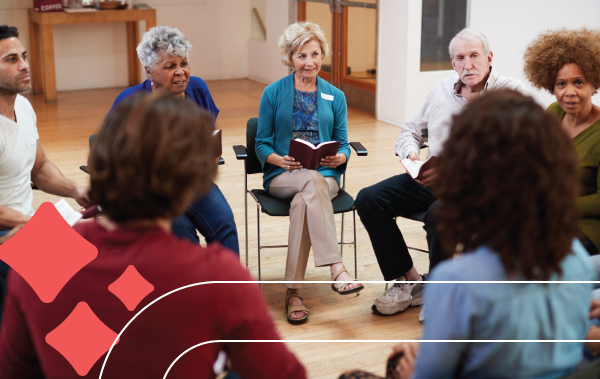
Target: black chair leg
{"type": "Point", "coordinates": [258, 234]}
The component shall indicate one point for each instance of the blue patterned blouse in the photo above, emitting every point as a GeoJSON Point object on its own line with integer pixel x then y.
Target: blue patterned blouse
{"type": "Point", "coordinates": [305, 120]}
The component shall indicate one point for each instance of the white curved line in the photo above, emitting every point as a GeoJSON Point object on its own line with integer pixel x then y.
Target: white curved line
{"type": "Point", "coordinates": [329, 282]}
{"type": "Point", "coordinates": [353, 341]}
{"type": "Point", "coordinates": [184, 353]}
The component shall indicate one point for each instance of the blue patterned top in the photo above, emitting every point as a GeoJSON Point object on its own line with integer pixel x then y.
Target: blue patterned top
{"type": "Point", "coordinates": [305, 120]}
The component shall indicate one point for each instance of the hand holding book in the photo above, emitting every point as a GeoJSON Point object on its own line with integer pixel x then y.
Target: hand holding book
{"type": "Point", "coordinates": [289, 163]}
{"type": "Point", "coordinates": [311, 156]}
{"type": "Point", "coordinates": [333, 161]}
{"type": "Point", "coordinates": [423, 172]}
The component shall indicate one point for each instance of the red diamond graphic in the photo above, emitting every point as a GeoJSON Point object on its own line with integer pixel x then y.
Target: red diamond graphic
{"type": "Point", "coordinates": [47, 252]}
{"type": "Point", "coordinates": [131, 288]}
{"type": "Point", "coordinates": [82, 338]}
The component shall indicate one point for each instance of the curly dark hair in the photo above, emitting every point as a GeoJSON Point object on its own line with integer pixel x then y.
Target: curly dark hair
{"type": "Point", "coordinates": [508, 180]}
{"type": "Point", "coordinates": [151, 155]}
{"type": "Point", "coordinates": [546, 55]}
{"type": "Point", "coordinates": [8, 31]}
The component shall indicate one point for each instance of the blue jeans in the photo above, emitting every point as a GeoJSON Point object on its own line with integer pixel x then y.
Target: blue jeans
{"type": "Point", "coordinates": [3, 272]}
{"type": "Point", "coordinates": [213, 218]}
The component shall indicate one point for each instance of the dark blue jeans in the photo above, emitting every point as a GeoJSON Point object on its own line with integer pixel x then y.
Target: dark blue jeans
{"type": "Point", "coordinates": [3, 272]}
{"type": "Point", "coordinates": [213, 218]}
{"type": "Point", "coordinates": [378, 205]}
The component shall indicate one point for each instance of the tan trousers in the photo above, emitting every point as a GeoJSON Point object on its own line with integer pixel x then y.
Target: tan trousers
{"type": "Point", "coordinates": [311, 220]}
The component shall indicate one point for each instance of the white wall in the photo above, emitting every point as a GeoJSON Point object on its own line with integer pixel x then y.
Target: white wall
{"type": "Point", "coordinates": [263, 64]}
{"type": "Point", "coordinates": [401, 87]}
{"type": "Point", "coordinates": [510, 26]}
{"type": "Point", "coordinates": [94, 55]}
{"type": "Point", "coordinates": [510, 32]}
{"type": "Point", "coordinates": [261, 7]}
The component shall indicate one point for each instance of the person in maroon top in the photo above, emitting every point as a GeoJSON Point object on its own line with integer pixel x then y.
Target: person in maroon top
{"type": "Point", "coordinates": [151, 157]}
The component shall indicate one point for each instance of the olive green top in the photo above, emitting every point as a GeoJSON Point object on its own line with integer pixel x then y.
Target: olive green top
{"type": "Point", "coordinates": [587, 147]}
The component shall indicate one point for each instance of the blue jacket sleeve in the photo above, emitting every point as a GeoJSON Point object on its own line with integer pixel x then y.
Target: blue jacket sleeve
{"type": "Point", "coordinates": [265, 134]}
{"type": "Point", "coordinates": [340, 132]}
{"type": "Point", "coordinates": [122, 96]}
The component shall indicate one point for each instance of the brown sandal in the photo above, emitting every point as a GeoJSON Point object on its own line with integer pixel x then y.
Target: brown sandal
{"type": "Point", "coordinates": [295, 308]}
{"type": "Point", "coordinates": [341, 286]}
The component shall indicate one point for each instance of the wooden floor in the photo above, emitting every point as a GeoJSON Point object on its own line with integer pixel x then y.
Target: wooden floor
{"type": "Point", "coordinates": [64, 129]}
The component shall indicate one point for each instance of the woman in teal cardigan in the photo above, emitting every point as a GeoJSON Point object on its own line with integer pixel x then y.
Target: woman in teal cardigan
{"type": "Point", "coordinates": [304, 106]}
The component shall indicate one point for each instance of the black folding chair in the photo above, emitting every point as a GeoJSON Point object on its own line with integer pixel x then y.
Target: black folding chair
{"type": "Point", "coordinates": [273, 206]}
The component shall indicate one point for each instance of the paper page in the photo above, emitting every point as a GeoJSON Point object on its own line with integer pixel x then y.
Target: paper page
{"type": "Point", "coordinates": [306, 143]}
{"type": "Point", "coordinates": [325, 143]}
{"type": "Point", "coordinates": [412, 167]}
{"type": "Point", "coordinates": [65, 209]}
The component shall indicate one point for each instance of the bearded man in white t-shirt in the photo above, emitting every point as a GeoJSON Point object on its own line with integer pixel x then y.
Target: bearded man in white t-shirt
{"type": "Point", "coordinates": [22, 158]}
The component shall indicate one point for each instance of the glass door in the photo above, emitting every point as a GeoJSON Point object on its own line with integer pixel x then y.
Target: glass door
{"type": "Point", "coordinates": [351, 30]}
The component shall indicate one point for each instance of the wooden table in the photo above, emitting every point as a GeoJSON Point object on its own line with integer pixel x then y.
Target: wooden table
{"type": "Point", "coordinates": [41, 38]}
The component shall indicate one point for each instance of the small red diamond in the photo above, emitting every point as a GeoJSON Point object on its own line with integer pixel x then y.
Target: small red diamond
{"type": "Point", "coordinates": [82, 338]}
{"type": "Point", "coordinates": [131, 288]}
{"type": "Point", "coordinates": [47, 252]}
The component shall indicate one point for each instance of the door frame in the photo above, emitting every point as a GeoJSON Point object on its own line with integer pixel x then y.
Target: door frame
{"type": "Point", "coordinates": [339, 45]}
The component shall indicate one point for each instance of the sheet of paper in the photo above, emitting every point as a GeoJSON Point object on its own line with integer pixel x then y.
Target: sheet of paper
{"type": "Point", "coordinates": [412, 167]}
{"type": "Point", "coordinates": [65, 209]}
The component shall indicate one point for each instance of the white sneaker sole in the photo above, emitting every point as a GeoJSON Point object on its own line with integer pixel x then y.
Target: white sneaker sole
{"type": "Point", "coordinates": [392, 308]}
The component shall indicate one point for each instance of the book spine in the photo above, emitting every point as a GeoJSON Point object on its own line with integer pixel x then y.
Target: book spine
{"type": "Point", "coordinates": [314, 160]}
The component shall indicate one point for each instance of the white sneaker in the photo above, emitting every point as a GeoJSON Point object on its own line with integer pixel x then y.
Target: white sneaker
{"type": "Point", "coordinates": [398, 297]}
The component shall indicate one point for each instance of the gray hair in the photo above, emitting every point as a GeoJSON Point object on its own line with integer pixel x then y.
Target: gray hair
{"type": "Point", "coordinates": [470, 35]}
{"type": "Point", "coordinates": [295, 36]}
{"type": "Point", "coordinates": [159, 39]}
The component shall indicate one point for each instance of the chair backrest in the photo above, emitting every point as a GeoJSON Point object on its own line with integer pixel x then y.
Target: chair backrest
{"type": "Point", "coordinates": [92, 139]}
{"type": "Point", "coordinates": [253, 165]}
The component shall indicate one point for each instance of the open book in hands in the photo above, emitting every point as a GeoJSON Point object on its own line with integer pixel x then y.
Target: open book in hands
{"type": "Point", "coordinates": [65, 209]}
{"type": "Point", "coordinates": [310, 155]}
{"type": "Point", "coordinates": [417, 168]}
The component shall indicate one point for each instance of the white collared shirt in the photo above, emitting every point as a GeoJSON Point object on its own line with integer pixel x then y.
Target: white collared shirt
{"type": "Point", "coordinates": [432, 121]}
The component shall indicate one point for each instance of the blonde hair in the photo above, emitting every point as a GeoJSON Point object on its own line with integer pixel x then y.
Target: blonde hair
{"type": "Point", "coordinates": [295, 36]}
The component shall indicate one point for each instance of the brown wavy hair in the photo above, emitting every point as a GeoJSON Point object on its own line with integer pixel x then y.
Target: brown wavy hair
{"type": "Point", "coordinates": [152, 154]}
{"type": "Point", "coordinates": [546, 55]}
{"type": "Point", "coordinates": [508, 180]}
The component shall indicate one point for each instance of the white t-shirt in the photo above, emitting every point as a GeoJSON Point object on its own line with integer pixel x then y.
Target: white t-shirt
{"type": "Point", "coordinates": [18, 144]}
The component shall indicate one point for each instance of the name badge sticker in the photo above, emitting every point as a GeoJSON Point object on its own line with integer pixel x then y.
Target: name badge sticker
{"type": "Point", "coordinates": [326, 96]}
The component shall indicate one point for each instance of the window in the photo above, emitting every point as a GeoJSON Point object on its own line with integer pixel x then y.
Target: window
{"type": "Point", "coordinates": [441, 20]}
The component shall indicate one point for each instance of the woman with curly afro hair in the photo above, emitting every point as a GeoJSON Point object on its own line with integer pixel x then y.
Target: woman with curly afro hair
{"type": "Point", "coordinates": [567, 64]}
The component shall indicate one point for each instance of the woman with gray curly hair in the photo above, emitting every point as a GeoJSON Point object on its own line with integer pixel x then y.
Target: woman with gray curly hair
{"type": "Point", "coordinates": [304, 106]}
{"type": "Point", "coordinates": [164, 54]}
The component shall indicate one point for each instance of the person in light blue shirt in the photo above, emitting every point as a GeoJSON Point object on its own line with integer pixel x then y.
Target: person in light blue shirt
{"type": "Point", "coordinates": [507, 187]}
